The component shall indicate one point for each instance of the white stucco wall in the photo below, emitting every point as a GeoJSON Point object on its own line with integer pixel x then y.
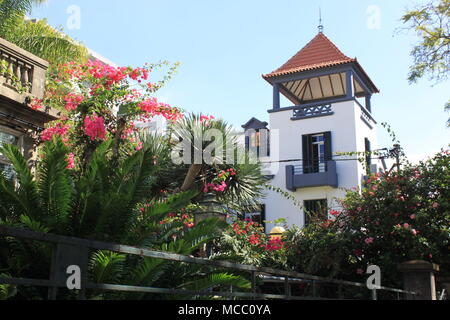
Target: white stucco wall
{"type": "Point", "coordinates": [348, 133]}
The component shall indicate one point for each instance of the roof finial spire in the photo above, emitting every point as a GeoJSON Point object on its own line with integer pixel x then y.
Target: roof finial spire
{"type": "Point", "coordinates": [320, 21]}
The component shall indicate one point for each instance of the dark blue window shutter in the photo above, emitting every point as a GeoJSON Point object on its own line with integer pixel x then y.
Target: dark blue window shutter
{"type": "Point", "coordinates": [328, 146]}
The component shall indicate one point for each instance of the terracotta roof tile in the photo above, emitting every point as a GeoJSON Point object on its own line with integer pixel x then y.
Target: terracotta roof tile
{"type": "Point", "coordinates": [320, 52]}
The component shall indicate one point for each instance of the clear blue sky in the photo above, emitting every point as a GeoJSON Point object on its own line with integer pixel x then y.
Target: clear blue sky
{"type": "Point", "coordinates": [225, 46]}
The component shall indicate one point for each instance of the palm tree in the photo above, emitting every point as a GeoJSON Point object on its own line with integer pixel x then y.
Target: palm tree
{"type": "Point", "coordinates": [244, 190]}
{"type": "Point", "coordinates": [12, 11]}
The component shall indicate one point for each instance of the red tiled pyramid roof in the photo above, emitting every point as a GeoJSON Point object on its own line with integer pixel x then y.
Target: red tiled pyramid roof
{"type": "Point", "coordinates": [320, 52]}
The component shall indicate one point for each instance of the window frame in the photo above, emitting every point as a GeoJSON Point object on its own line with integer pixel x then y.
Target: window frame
{"type": "Point", "coordinates": [319, 201]}
{"type": "Point", "coordinates": [20, 137]}
{"type": "Point", "coordinates": [308, 143]}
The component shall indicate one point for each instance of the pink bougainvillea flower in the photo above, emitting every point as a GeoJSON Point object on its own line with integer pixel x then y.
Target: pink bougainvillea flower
{"type": "Point", "coordinates": [406, 225]}
{"type": "Point", "coordinates": [36, 104]}
{"type": "Point", "coordinates": [95, 127]}
{"type": "Point", "coordinates": [150, 105]}
{"type": "Point", "coordinates": [73, 101]}
{"type": "Point", "coordinates": [435, 205]}
{"type": "Point", "coordinates": [206, 119]}
{"type": "Point", "coordinates": [414, 232]}
{"type": "Point", "coordinates": [58, 130]}
{"type": "Point", "coordinates": [369, 240]}
{"type": "Point", "coordinates": [412, 217]}
{"type": "Point", "coordinates": [70, 161]}
{"type": "Point", "coordinates": [139, 146]}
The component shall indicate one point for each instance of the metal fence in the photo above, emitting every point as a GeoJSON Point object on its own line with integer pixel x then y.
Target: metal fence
{"type": "Point", "coordinates": [76, 249]}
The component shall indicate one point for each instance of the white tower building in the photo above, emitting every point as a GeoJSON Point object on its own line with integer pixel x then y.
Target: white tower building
{"type": "Point", "coordinates": [331, 114]}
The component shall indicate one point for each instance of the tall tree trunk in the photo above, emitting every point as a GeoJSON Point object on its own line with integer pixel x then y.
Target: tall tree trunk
{"type": "Point", "coordinates": [194, 171]}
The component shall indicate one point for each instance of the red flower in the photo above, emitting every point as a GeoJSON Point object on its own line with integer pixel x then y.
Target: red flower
{"type": "Point", "coordinates": [254, 239]}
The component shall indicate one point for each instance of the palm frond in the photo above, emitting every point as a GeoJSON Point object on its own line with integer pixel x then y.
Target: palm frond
{"type": "Point", "coordinates": [44, 41]}
{"type": "Point", "coordinates": [6, 290]}
{"type": "Point", "coordinates": [55, 185]}
{"type": "Point", "coordinates": [106, 267]}
{"type": "Point", "coordinates": [26, 198]}
{"type": "Point", "coordinates": [215, 280]}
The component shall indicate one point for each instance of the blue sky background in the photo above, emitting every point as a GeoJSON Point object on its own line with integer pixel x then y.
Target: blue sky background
{"type": "Point", "coordinates": [225, 46]}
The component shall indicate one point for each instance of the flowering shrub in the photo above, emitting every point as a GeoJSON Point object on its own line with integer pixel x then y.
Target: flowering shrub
{"type": "Point", "coordinates": [101, 102]}
{"type": "Point", "coordinates": [246, 240]}
{"type": "Point", "coordinates": [399, 216]}
{"type": "Point", "coordinates": [94, 127]}
{"type": "Point", "coordinates": [219, 184]}
{"type": "Point", "coordinates": [58, 130]}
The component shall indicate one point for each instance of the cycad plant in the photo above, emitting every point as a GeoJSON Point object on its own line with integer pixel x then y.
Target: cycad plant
{"type": "Point", "coordinates": [104, 203]}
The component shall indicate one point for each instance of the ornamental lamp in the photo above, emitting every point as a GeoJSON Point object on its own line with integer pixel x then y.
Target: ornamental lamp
{"type": "Point", "coordinates": [277, 233]}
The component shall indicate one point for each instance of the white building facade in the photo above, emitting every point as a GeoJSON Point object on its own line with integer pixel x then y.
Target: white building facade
{"type": "Point", "coordinates": [330, 115]}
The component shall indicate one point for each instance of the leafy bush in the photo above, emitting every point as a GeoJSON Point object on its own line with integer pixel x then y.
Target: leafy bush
{"type": "Point", "coordinates": [399, 216]}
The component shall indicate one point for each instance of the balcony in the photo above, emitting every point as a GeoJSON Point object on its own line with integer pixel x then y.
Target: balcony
{"type": "Point", "coordinates": [311, 174]}
{"type": "Point", "coordinates": [22, 74]}
{"type": "Point", "coordinates": [22, 78]}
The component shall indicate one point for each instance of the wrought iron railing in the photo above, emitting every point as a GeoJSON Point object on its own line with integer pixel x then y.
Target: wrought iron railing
{"type": "Point", "coordinates": [318, 165]}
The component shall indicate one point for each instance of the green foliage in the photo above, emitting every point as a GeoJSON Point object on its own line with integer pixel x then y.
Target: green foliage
{"type": "Point", "coordinates": [37, 37]}
{"type": "Point", "coordinates": [246, 242]}
{"type": "Point", "coordinates": [98, 177]}
{"type": "Point", "coordinates": [6, 290]}
{"type": "Point", "coordinates": [432, 54]}
{"type": "Point", "coordinates": [431, 22]}
{"type": "Point", "coordinates": [399, 216]}
{"type": "Point", "coordinates": [244, 189]}
{"type": "Point", "coordinates": [46, 42]}
{"type": "Point", "coordinates": [107, 203]}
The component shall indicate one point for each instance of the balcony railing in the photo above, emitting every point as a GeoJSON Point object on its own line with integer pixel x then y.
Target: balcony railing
{"type": "Point", "coordinates": [312, 111]}
{"type": "Point", "coordinates": [21, 73]}
{"type": "Point", "coordinates": [311, 173]}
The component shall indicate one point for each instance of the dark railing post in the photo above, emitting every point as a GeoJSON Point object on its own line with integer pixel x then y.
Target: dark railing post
{"type": "Point", "coordinates": [314, 289]}
{"type": "Point", "coordinates": [254, 284]}
{"type": "Point", "coordinates": [53, 291]}
{"type": "Point", "coordinates": [374, 294]}
{"type": "Point", "coordinates": [340, 292]}
{"type": "Point", "coordinates": [64, 256]}
{"type": "Point", "coordinates": [419, 277]}
{"type": "Point", "coordinates": [287, 287]}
